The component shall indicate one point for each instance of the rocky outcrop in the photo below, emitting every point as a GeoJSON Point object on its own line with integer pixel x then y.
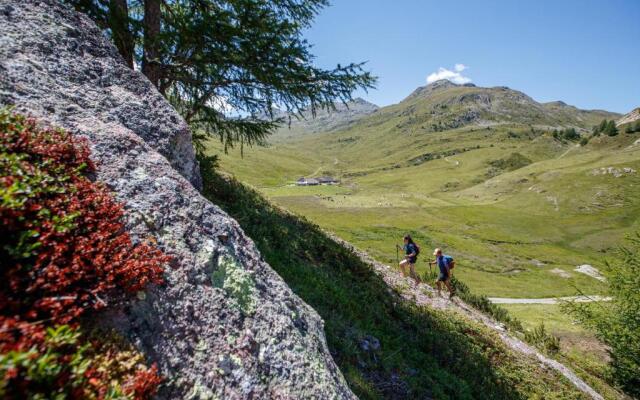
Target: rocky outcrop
{"type": "Point", "coordinates": [224, 324]}
{"type": "Point", "coordinates": [630, 117]}
{"type": "Point", "coordinates": [64, 69]}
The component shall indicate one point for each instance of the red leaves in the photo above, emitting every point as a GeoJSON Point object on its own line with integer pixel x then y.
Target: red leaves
{"type": "Point", "coordinates": [63, 246]}
{"type": "Point", "coordinates": [74, 252]}
{"type": "Point", "coordinates": [144, 384]}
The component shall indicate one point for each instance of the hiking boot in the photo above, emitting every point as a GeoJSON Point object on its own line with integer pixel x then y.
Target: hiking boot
{"type": "Point", "coordinates": [453, 293]}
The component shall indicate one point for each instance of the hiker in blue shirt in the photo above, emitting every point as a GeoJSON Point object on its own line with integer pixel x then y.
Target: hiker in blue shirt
{"type": "Point", "coordinates": [445, 263]}
{"type": "Point", "coordinates": [411, 256]}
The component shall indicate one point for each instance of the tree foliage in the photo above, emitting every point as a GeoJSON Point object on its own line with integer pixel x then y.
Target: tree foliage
{"type": "Point", "coordinates": [225, 64]}
{"type": "Point", "coordinates": [569, 134]}
{"type": "Point", "coordinates": [617, 322]}
{"type": "Point", "coordinates": [607, 127]}
{"type": "Point", "coordinates": [632, 127]}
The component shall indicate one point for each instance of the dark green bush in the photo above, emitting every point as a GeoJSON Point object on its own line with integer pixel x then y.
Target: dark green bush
{"type": "Point", "coordinates": [542, 339]}
{"type": "Point", "coordinates": [617, 322]}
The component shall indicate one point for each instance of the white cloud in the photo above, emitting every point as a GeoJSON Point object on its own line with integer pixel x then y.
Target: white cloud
{"type": "Point", "coordinates": [454, 76]}
{"type": "Point", "coordinates": [460, 67]}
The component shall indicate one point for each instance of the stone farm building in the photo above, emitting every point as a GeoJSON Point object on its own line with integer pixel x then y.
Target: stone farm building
{"type": "Point", "coordinates": [323, 180]}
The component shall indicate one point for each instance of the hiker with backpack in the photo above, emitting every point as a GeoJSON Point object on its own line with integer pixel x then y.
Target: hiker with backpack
{"type": "Point", "coordinates": [445, 263]}
{"type": "Point", "coordinates": [411, 250]}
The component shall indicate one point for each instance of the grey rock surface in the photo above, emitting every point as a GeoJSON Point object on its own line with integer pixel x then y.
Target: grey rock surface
{"type": "Point", "coordinates": [632, 116]}
{"type": "Point", "coordinates": [64, 68]}
{"type": "Point", "coordinates": [224, 325]}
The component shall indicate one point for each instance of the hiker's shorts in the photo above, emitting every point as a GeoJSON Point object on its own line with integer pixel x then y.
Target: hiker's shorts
{"type": "Point", "coordinates": [442, 277]}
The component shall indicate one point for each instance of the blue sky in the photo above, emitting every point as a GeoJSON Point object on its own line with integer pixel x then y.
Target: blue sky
{"type": "Point", "coordinates": [586, 53]}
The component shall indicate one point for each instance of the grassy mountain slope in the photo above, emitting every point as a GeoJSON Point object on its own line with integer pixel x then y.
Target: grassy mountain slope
{"type": "Point", "coordinates": [478, 172]}
{"type": "Point", "coordinates": [385, 346]}
{"type": "Point", "coordinates": [463, 189]}
{"type": "Point", "coordinates": [444, 105]}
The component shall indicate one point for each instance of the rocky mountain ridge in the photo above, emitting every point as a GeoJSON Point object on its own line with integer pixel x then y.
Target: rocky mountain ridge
{"type": "Point", "coordinates": [224, 324]}
{"type": "Point", "coordinates": [443, 105]}
{"type": "Point", "coordinates": [325, 120]}
{"type": "Point", "coordinates": [450, 105]}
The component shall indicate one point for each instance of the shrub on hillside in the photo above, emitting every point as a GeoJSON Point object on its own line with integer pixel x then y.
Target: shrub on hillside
{"type": "Point", "coordinates": [617, 322]}
{"type": "Point", "coordinates": [483, 304]}
{"type": "Point", "coordinates": [62, 362]}
{"type": "Point", "coordinates": [64, 252]}
{"type": "Point", "coordinates": [511, 163]}
{"type": "Point", "coordinates": [606, 127]}
{"type": "Point", "coordinates": [569, 134]}
{"type": "Point", "coordinates": [632, 127]}
{"type": "Point", "coordinates": [542, 339]}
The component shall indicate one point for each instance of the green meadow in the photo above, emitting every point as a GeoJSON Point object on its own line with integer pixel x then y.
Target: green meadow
{"type": "Point", "coordinates": [515, 231]}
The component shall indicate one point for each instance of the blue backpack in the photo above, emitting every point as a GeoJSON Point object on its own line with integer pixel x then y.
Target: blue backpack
{"type": "Point", "coordinates": [448, 260]}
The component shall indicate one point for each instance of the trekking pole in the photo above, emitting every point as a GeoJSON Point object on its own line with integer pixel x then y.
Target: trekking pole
{"type": "Point", "coordinates": [397, 255]}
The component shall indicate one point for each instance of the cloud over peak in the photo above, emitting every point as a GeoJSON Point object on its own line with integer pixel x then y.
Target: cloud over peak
{"type": "Point", "coordinates": [454, 75]}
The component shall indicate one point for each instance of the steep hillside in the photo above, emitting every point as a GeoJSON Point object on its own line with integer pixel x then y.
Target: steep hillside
{"type": "Point", "coordinates": [223, 324]}
{"type": "Point", "coordinates": [387, 344]}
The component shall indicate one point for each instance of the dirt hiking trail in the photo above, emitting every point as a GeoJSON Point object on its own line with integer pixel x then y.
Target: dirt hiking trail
{"type": "Point", "coordinates": [425, 295]}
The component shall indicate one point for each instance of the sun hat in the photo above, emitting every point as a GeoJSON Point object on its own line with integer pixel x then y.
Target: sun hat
{"type": "Point", "coordinates": [436, 251]}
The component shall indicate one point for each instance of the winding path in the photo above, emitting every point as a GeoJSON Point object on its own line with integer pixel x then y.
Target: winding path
{"type": "Point", "coordinates": [548, 300]}
{"type": "Point", "coordinates": [567, 152]}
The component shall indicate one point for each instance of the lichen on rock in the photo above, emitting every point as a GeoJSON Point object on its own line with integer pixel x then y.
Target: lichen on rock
{"type": "Point", "coordinates": [236, 282]}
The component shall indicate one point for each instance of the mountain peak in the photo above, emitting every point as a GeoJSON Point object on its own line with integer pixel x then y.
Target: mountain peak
{"type": "Point", "coordinates": [432, 87]}
{"type": "Point", "coordinates": [362, 102]}
{"type": "Point", "coordinates": [441, 83]}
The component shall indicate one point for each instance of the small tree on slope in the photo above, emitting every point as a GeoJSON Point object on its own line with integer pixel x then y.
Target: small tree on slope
{"type": "Point", "coordinates": [617, 323]}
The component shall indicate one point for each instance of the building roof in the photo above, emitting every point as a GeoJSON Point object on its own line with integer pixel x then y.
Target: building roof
{"type": "Point", "coordinates": [326, 179]}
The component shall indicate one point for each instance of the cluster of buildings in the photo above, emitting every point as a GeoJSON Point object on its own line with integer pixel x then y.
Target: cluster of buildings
{"type": "Point", "coordinates": [322, 180]}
